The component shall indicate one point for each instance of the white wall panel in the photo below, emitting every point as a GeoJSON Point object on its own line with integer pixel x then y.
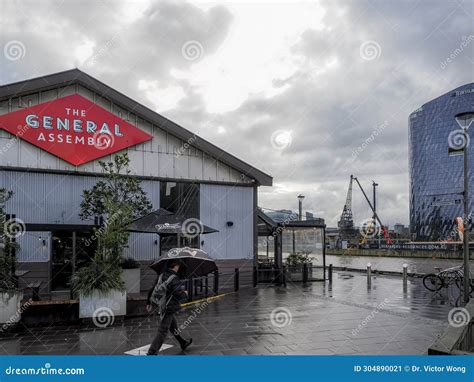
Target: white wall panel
{"type": "Point", "coordinates": [222, 204]}
{"type": "Point", "coordinates": [34, 247]}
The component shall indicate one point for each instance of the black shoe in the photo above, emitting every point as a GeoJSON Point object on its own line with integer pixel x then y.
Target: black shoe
{"type": "Point", "coordinates": [186, 344]}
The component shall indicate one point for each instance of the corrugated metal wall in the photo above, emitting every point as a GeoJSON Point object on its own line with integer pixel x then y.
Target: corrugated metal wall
{"type": "Point", "coordinates": [41, 198]}
{"type": "Point", "coordinates": [222, 204]}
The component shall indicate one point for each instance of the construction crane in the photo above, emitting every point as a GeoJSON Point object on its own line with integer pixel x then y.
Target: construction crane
{"type": "Point", "coordinates": [375, 216]}
{"type": "Point", "coordinates": [346, 223]}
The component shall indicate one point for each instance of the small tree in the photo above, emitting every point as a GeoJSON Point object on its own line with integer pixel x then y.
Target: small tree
{"type": "Point", "coordinates": [7, 259]}
{"type": "Point", "coordinates": [118, 188]}
{"type": "Point", "coordinates": [117, 199]}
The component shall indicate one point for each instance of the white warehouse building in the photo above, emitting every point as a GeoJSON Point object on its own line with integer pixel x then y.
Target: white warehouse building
{"type": "Point", "coordinates": [48, 156]}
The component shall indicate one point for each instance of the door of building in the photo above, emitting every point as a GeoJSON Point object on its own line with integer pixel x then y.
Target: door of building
{"type": "Point", "coordinates": [70, 251]}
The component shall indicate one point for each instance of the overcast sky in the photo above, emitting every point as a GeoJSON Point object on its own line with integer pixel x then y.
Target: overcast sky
{"type": "Point", "coordinates": [308, 92]}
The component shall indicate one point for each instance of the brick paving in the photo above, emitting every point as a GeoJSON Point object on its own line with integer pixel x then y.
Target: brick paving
{"type": "Point", "coordinates": [347, 318]}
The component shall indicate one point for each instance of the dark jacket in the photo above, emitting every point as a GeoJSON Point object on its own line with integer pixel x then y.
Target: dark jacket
{"type": "Point", "coordinates": [175, 290]}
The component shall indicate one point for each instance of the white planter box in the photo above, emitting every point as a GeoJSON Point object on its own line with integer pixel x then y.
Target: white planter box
{"type": "Point", "coordinates": [131, 279]}
{"type": "Point", "coordinates": [10, 308]}
{"type": "Point", "coordinates": [103, 307]}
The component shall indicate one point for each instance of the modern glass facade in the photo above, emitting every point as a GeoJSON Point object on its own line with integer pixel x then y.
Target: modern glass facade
{"type": "Point", "coordinates": [436, 179]}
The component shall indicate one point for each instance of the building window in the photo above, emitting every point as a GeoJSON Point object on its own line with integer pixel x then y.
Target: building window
{"type": "Point", "coordinates": [183, 200]}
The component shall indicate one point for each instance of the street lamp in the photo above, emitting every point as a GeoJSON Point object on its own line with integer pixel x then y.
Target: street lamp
{"type": "Point", "coordinates": [300, 206]}
{"type": "Point", "coordinates": [464, 120]}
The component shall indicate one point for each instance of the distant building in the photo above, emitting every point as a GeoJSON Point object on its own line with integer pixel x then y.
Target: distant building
{"type": "Point", "coordinates": [435, 177]}
{"type": "Point", "coordinates": [282, 215]}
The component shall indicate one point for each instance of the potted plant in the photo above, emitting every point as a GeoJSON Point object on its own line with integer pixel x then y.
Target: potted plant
{"type": "Point", "coordinates": [116, 200]}
{"type": "Point", "coordinates": [295, 263]}
{"type": "Point", "coordinates": [10, 295]}
{"type": "Point", "coordinates": [131, 275]}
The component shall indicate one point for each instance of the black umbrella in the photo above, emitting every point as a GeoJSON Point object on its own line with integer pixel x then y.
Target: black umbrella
{"type": "Point", "coordinates": [165, 223]}
{"type": "Point", "coordinates": [194, 262]}
{"type": "Point", "coordinates": [147, 223]}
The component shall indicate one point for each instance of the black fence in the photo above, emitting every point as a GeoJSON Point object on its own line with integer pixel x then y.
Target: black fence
{"type": "Point", "coordinates": [232, 281]}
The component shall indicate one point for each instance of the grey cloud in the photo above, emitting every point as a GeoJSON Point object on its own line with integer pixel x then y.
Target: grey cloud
{"type": "Point", "coordinates": [331, 115]}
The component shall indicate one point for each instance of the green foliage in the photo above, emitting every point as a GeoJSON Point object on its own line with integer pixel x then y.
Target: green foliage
{"type": "Point", "coordinates": [298, 258]}
{"type": "Point", "coordinates": [7, 260]}
{"type": "Point", "coordinates": [101, 275]}
{"type": "Point", "coordinates": [117, 187]}
{"type": "Point", "coordinates": [118, 199]}
{"type": "Point", "coordinates": [130, 263]}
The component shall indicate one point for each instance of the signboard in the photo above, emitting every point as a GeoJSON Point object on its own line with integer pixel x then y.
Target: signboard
{"type": "Point", "coordinates": [73, 129]}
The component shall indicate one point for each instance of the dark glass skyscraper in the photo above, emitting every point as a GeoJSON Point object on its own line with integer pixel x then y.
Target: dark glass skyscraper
{"type": "Point", "coordinates": [436, 179]}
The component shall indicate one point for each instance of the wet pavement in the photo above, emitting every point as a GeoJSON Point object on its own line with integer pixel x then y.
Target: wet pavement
{"type": "Point", "coordinates": [347, 318]}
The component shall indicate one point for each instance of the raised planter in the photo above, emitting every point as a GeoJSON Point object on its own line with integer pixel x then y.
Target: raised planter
{"type": "Point", "coordinates": [103, 306]}
{"type": "Point", "coordinates": [131, 279]}
{"type": "Point", "coordinates": [10, 308]}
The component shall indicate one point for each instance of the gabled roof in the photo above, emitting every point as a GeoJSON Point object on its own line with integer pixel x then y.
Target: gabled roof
{"type": "Point", "coordinates": [75, 76]}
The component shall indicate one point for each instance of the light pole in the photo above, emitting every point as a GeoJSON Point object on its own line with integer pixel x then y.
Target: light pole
{"type": "Point", "coordinates": [464, 120]}
{"type": "Point", "coordinates": [300, 206]}
{"type": "Point", "coordinates": [374, 185]}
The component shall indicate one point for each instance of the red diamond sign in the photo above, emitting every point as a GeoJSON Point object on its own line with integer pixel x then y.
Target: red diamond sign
{"type": "Point", "coordinates": [73, 128]}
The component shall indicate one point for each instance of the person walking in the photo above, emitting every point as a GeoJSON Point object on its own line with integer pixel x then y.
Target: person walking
{"type": "Point", "coordinates": [171, 296]}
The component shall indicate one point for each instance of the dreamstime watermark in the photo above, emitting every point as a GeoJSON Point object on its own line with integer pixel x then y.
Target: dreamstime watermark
{"type": "Point", "coordinates": [459, 317]}
{"type": "Point", "coordinates": [103, 141]}
{"type": "Point", "coordinates": [370, 50]}
{"type": "Point", "coordinates": [101, 230]}
{"type": "Point", "coordinates": [369, 228]}
{"type": "Point", "coordinates": [14, 50]}
{"type": "Point", "coordinates": [192, 50]}
{"type": "Point", "coordinates": [192, 228]}
{"type": "Point", "coordinates": [16, 317]}
{"type": "Point", "coordinates": [369, 318]}
{"type": "Point", "coordinates": [44, 370]}
{"type": "Point", "coordinates": [281, 139]}
{"type": "Point", "coordinates": [110, 43]}
{"type": "Point", "coordinates": [452, 236]}
{"type": "Point", "coordinates": [371, 138]}
{"type": "Point", "coordinates": [14, 228]}
{"type": "Point", "coordinates": [281, 317]}
{"type": "Point", "coordinates": [281, 227]}
{"type": "Point", "coordinates": [186, 145]}
{"type": "Point", "coordinates": [466, 40]}
{"type": "Point", "coordinates": [192, 316]}
{"type": "Point", "coordinates": [103, 317]}
{"type": "Point", "coordinates": [458, 139]}
{"type": "Point", "coordinates": [21, 130]}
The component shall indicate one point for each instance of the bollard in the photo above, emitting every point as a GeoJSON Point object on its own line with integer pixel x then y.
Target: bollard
{"type": "Point", "coordinates": [283, 275]}
{"type": "Point", "coordinates": [216, 282]}
{"type": "Point", "coordinates": [305, 273]}
{"type": "Point", "coordinates": [369, 275]}
{"type": "Point", "coordinates": [254, 277]}
{"type": "Point", "coordinates": [190, 289]}
{"type": "Point", "coordinates": [405, 277]}
{"type": "Point", "coordinates": [330, 274]}
{"type": "Point", "coordinates": [236, 279]}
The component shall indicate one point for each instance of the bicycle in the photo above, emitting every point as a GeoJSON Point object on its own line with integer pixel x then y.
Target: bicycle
{"type": "Point", "coordinates": [444, 278]}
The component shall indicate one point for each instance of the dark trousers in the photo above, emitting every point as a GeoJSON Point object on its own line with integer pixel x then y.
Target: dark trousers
{"type": "Point", "coordinates": [168, 323]}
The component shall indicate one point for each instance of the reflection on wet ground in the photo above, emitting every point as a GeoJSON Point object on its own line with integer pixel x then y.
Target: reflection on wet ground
{"type": "Point", "coordinates": [345, 318]}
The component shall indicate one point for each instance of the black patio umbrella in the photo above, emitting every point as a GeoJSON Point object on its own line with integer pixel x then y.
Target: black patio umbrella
{"type": "Point", "coordinates": [147, 223]}
{"type": "Point", "coordinates": [194, 262]}
{"type": "Point", "coordinates": [166, 223]}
